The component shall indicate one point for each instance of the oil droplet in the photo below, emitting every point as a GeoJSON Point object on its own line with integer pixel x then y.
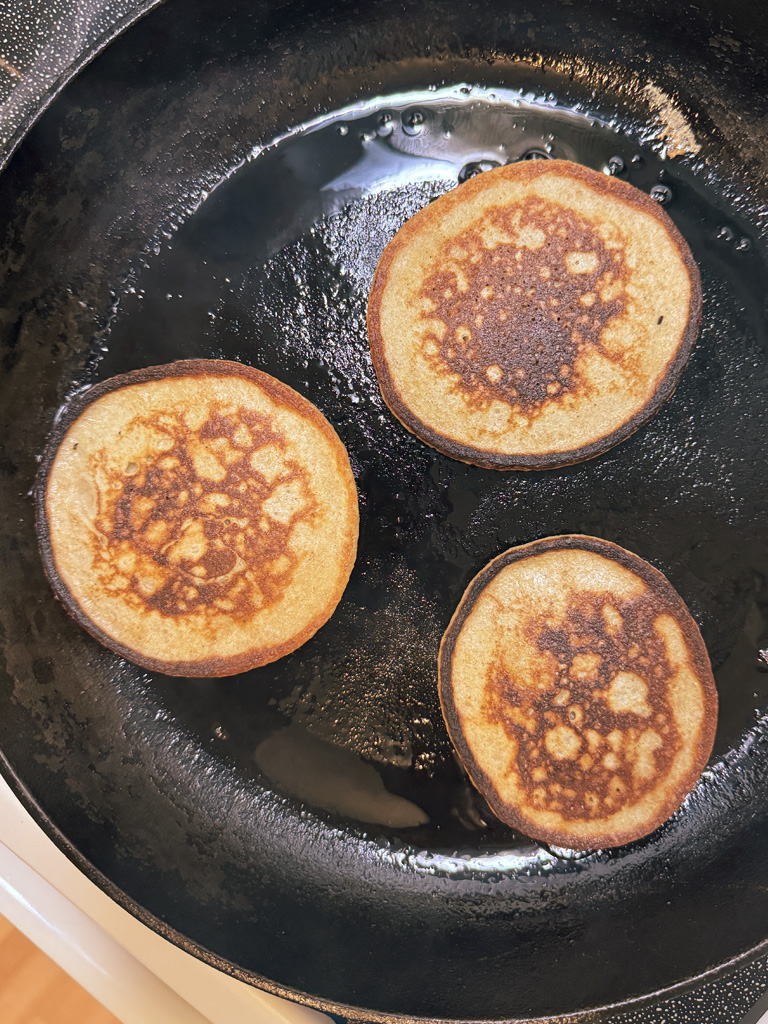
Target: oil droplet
{"type": "Point", "coordinates": [220, 732]}
{"type": "Point", "coordinates": [762, 660]}
{"type": "Point", "coordinates": [615, 165]}
{"type": "Point", "coordinates": [661, 194]}
{"type": "Point", "coordinates": [637, 160]}
{"type": "Point", "coordinates": [471, 170]}
{"type": "Point", "coordinates": [342, 129]}
{"type": "Point", "coordinates": [413, 122]}
{"type": "Point", "coordinates": [386, 124]}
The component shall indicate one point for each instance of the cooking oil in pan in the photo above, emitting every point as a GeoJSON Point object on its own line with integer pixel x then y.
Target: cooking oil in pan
{"type": "Point", "coordinates": [274, 269]}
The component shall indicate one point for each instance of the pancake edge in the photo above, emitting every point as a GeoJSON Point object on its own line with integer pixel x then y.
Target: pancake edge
{"type": "Point", "coordinates": [280, 393]}
{"type": "Point", "coordinates": [660, 586]}
{"type": "Point", "coordinates": [488, 459]}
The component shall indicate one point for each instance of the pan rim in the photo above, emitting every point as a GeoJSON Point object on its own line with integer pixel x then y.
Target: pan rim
{"type": "Point", "coordinates": [46, 98]}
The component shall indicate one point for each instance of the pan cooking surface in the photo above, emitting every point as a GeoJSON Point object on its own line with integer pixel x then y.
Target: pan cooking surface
{"type": "Point", "coordinates": [274, 269]}
{"type": "Point", "coordinates": [307, 822]}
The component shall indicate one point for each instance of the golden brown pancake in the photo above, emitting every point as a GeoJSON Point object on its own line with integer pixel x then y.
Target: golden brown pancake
{"type": "Point", "coordinates": [577, 691]}
{"type": "Point", "coordinates": [534, 316]}
{"type": "Point", "coordinates": [198, 518]}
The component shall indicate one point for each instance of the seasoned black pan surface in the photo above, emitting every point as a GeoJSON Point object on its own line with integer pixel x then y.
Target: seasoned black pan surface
{"type": "Point", "coordinates": [220, 182]}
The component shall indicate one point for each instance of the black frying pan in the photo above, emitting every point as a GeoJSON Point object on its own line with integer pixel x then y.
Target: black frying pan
{"type": "Point", "coordinates": [306, 826]}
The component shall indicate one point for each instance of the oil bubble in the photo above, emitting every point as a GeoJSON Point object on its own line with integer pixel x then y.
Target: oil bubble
{"type": "Point", "coordinates": [536, 154]}
{"type": "Point", "coordinates": [725, 234]}
{"type": "Point", "coordinates": [637, 160]}
{"type": "Point", "coordinates": [743, 245]}
{"type": "Point", "coordinates": [342, 129]}
{"type": "Point", "coordinates": [661, 194]}
{"type": "Point", "coordinates": [386, 125]}
{"type": "Point", "coordinates": [565, 853]}
{"type": "Point", "coordinates": [762, 660]}
{"type": "Point", "coordinates": [471, 170]}
{"type": "Point", "coordinates": [615, 165]}
{"type": "Point", "coordinates": [413, 122]}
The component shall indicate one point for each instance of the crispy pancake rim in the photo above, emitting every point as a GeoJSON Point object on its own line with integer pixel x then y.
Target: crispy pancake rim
{"type": "Point", "coordinates": [660, 586]}
{"type": "Point", "coordinates": [608, 185]}
{"type": "Point", "coordinates": [278, 392]}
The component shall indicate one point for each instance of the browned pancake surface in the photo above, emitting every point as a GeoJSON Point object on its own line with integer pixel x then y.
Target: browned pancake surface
{"type": "Point", "coordinates": [534, 316]}
{"type": "Point", "coordinates": [199, 518]}
{"type": "Point", "coordinates": [578, 692]}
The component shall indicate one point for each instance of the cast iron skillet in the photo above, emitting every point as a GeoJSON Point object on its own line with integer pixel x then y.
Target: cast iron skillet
{"type": "Point", "coordinates": [306, 826]}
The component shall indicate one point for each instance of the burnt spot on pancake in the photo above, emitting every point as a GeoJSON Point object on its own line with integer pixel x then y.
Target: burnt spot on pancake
{"type": "Point", "coordinates": [533, 317]}
{"type": "Point", "coordinates": [198, 518]}
{"type": "Point", "coordinates": [577, 691]}
{"type": "Point", "coordinates": [600, 731]}
{"type": "Point", "coordinates": [206, 521]}
{"type": "Point", "coordinates": [517, 316]}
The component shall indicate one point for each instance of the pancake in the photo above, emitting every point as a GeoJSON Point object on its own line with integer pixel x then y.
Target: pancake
{"type": "Point", "coordinates": [577, 691]}
{"type": "Point", "coordinates": [198, 518]}
{"type": "Point", "coordinates": [534, 316]}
